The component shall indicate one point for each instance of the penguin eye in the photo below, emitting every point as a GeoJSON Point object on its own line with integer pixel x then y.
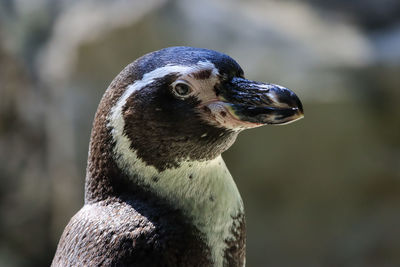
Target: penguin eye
{"type": "Point", "coordinates": [181, 88]}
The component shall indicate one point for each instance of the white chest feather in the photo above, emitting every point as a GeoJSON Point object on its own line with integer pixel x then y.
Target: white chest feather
{"type": "Point", "coordinates": [204, 191]}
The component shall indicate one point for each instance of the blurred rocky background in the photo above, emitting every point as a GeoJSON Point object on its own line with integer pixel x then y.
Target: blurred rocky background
{"type": "Point", "coordinates": [324, 191]}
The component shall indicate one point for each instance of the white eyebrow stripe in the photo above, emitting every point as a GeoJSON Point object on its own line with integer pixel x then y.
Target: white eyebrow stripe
{"type": "Point", "coordinates": [148, 78]}
{"type": "Point", "coordinates": [208, 65]}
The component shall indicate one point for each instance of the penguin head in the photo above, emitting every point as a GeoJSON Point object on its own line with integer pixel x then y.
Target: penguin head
{"type": "Point", "coordinates": [188, 104]}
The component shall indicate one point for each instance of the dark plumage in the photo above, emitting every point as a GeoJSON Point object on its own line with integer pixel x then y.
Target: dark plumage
{"type": "Point", "coordinates": [157, 191]}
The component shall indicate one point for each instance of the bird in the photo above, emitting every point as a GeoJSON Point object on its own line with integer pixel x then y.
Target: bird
{"type": "Point", "coordinates": [157, 191]}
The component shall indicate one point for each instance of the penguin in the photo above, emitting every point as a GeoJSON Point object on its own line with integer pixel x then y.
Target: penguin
{"type": "Point", "coordinates": [157, 191]}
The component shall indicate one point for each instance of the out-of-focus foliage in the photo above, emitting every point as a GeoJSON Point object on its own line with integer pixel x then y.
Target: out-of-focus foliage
{"type": "Point", "coordinates": [324, 191]}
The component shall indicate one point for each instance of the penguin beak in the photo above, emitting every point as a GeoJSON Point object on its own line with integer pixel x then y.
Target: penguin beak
{"type": "Point", "coordinates": [260, 103]}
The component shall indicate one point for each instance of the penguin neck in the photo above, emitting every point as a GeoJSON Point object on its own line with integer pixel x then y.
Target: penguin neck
{"type": "Point", "coordinates": [204, 191]}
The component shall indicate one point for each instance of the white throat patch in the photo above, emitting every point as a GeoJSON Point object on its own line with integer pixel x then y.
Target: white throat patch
{"type": "Point", "coordinates": [203, 190]}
